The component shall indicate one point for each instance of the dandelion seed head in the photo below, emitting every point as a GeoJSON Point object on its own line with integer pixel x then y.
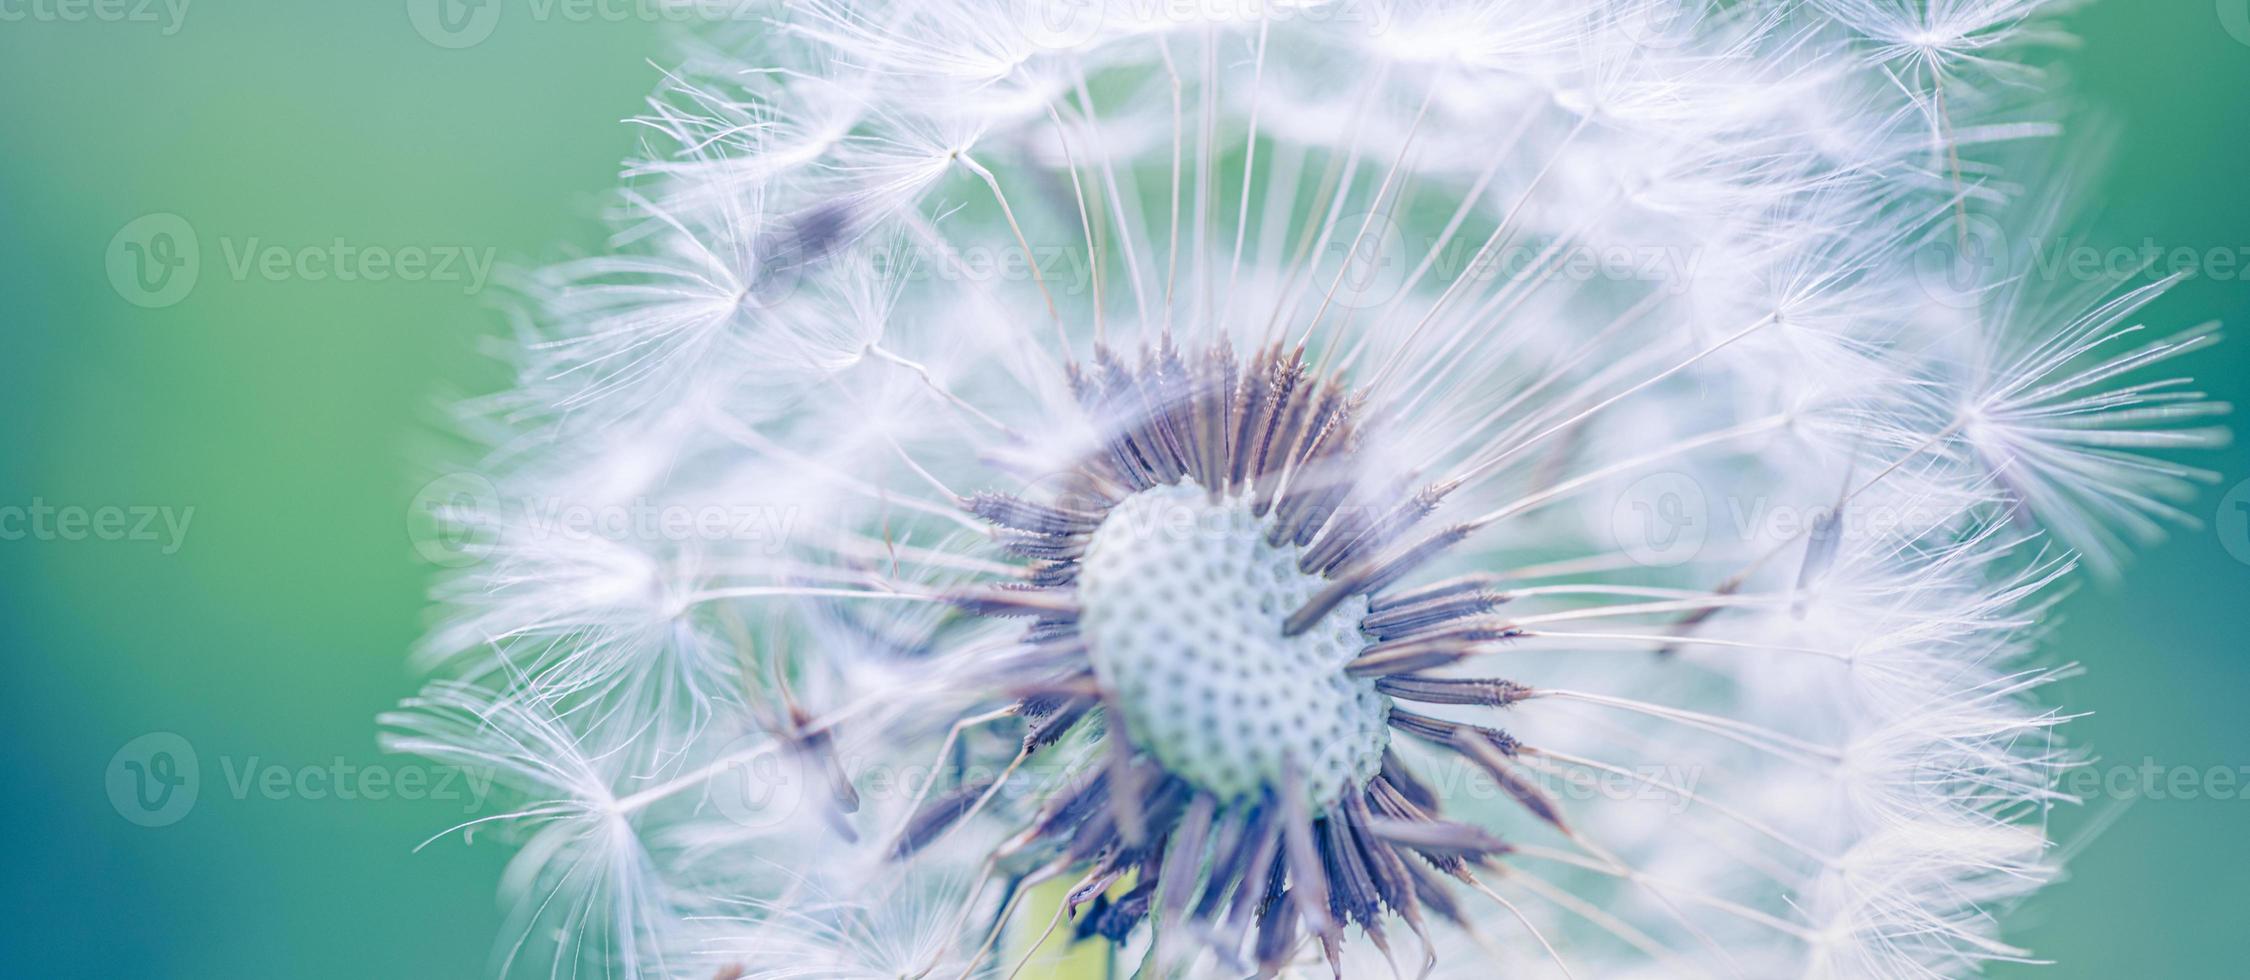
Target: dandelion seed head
{"type": "Point", "coordinates": [1325, 487]}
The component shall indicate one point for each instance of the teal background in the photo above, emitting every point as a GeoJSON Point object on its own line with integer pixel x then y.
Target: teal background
{"type": "Point", "coordinates": [289, 414]}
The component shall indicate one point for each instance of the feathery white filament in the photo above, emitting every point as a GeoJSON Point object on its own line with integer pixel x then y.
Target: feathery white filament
{"type": "Point", "coordinates": [1630, 306]}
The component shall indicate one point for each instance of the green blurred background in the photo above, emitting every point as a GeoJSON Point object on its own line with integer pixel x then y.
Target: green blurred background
{"type": "Point", "coordinates": [287, 413]}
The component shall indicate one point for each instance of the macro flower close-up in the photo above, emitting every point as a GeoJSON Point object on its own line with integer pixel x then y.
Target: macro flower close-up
{"type": "Point", "coordinates": [1536, 488]}
{"type": "Point", "coordinates": [1282, 488]}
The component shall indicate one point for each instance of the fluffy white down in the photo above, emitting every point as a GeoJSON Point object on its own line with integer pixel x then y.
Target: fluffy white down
{"type": "Point", "coordinates": [1660, 291]}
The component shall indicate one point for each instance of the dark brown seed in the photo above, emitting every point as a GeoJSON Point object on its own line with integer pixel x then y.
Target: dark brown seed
{"type": "Point", "coordinates": [1373, 577]}
{"type": "Point", "coordinates": [1438, 836]}
{"type": "Point", "coordinates": [1028, 516]}
{"type": "Point", "coordinates": [937, 816]}
{"type": "Point", "coordinates": [1012, 600]}
{"type": "Point", "coordinates": [1488, 693]}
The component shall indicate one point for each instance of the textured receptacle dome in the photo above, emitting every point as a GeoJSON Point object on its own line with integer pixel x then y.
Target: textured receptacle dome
{"type": "Point", "coordinates": [1182, 604]}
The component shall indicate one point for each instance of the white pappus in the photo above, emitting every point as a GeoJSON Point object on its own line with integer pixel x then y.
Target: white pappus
{"type": "Point", "coordinates": [1447, 487]}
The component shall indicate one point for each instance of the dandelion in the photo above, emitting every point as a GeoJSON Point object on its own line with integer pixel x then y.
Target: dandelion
{"type": "Point", "coordinates": [1346, 487]}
